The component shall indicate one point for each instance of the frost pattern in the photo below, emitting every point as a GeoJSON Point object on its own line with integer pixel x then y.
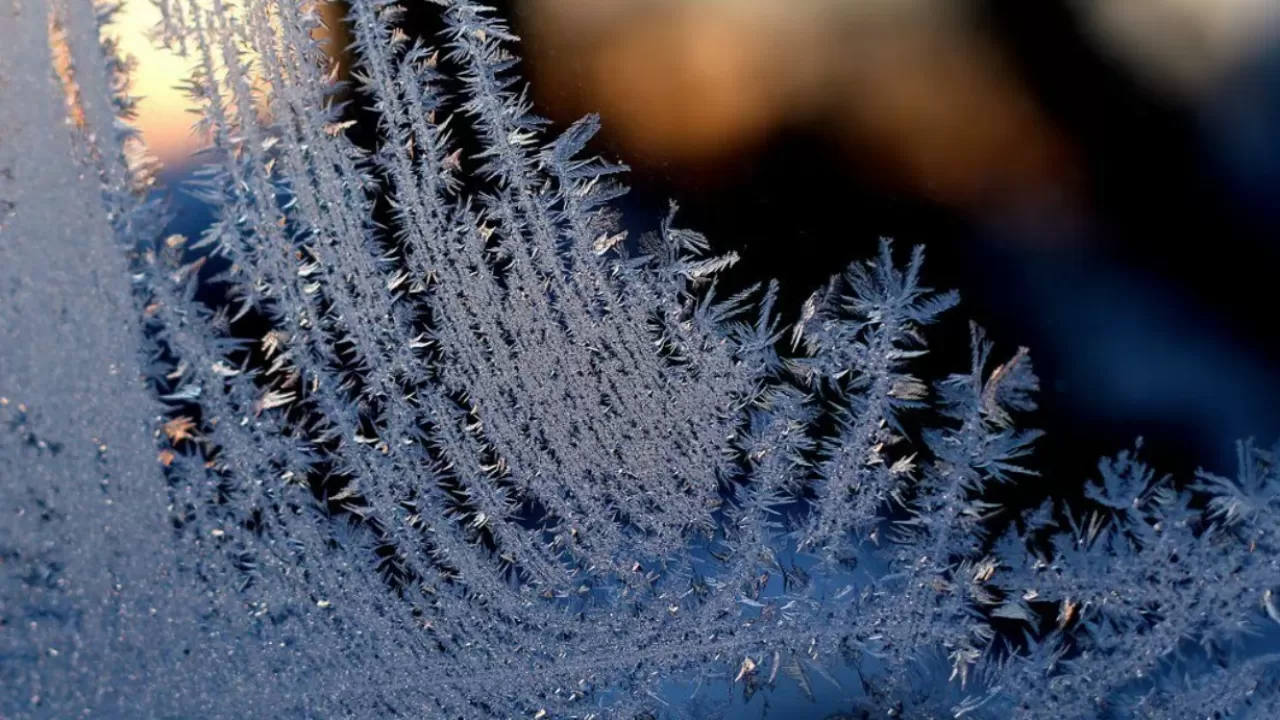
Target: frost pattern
{"type": "Point", "coordinates": [413, 433]}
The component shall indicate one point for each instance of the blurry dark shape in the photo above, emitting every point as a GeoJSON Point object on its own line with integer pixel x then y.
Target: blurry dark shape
{"type": "Point", "coordinates": [1130, 352]}
{"type": "Point", "coordinates": [1242, 126]}
{"type": "Point", "coordinates": [1219, 59]}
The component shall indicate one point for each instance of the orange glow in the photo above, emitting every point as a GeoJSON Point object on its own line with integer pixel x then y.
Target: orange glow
{"type": "Point", "coordinates": [62, 67]}
{"type": "Point", "coordinates": [906, 86]}
{"type": "Point", "coordinates": [163, 116]}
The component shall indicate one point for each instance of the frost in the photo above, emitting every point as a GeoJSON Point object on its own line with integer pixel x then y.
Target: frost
{"type": "Point", "coordinates": [411, 432]}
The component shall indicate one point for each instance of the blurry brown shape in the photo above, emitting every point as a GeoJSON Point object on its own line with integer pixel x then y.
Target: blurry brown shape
{"type": "Point", "coordinates": [905, 84]}
{"type": "Point", "coordinates": [935, 107]}
{"type": "Point", "coordinates": [681, 81]}
{"type": "Point", "coordinates": [335, 38]}
{"type": "Point", "coordinates": [703, 82]}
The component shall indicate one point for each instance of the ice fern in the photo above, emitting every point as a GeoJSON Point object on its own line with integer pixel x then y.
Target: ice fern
{"type": "Point", "coordinates": [412, 432]}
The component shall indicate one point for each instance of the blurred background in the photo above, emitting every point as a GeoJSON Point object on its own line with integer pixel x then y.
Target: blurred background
{"type": "Point", "coordinates": [1099, 178]}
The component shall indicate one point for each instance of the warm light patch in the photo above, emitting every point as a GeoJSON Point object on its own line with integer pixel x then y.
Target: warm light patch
{"type": "Point", "coordinates": [163, 112]}
{"type": "Point", "coordinates": [63, 66]}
